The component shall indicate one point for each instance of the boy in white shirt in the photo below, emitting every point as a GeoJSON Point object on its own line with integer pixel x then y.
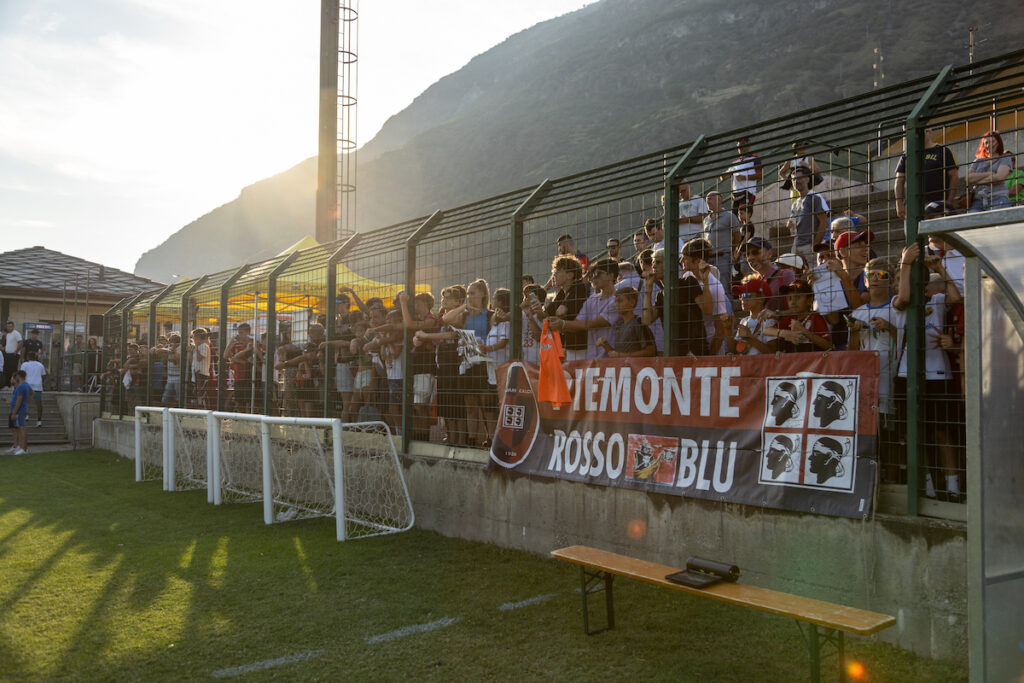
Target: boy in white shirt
{"type": "Point", "coordinates": [750, 339]}
{"type": "Point", "coordinates": [941, 390]}
{"type": "Point", "coordinates": [34, 373]}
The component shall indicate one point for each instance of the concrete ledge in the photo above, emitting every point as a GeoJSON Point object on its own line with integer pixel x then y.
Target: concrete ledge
{"type": "Point", "coordinates": [913, 568]}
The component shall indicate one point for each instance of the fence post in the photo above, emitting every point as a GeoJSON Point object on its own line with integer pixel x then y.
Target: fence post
{"type": "Point", "coordinates": [410, 287]}
{"type": "Point", "coordinates": [672, 182]}
{"type": "Point", "coordinates": [183, 347]}
{"type": "Point", "coordinates": [516, 267]}
{"type": "Point", "coordinates": [332, 295]}
{"type": "Point", "coordinates": [103, 352]}
{"type": "Point", "coordinates": [152, 341]}
{"type": "Point", "coordinates": [916, 386]}
{"type": "Point", "coordinates": [126, 314]}
{"type": "Point", "coordinates": [268, 358]}
{"type": "Point", "coordinates": [222, 335]}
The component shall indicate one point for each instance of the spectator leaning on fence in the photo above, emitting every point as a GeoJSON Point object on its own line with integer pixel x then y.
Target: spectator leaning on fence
{"type": "Point", "coordinates": [598, 311]}
{"type": "Point", "coordinates": [941, 414]}
{"type": "Point", "coordinates": [631, 338]}
{"type": "Point", "coordinates": [570, 296]}
{"type": "Point", "coordinates": [750, 338]}
{"type": "Point", "coordinates": [717, 323]}
{"type": "Point", "coordinates": [876, 326]}
{"type": "Point", "coordinates": [761, 259]}
{"type": "Point", "coordinates": [803, 329]}
{"type": "Point", "coordinates": [692, 301]}
{"type": "Point", "coordinates": [987, 175]}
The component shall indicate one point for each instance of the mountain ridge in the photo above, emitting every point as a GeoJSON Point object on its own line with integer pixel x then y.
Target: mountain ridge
{"type": "Point", "coordinates": [610, 81]}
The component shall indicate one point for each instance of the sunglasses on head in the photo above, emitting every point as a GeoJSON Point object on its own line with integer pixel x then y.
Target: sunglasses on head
{"type": "Point", "coordinates": [876, 275]}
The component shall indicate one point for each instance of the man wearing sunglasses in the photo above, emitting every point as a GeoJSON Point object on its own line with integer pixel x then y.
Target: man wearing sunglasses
{"type": "Point", "coordinates": [876, 326]}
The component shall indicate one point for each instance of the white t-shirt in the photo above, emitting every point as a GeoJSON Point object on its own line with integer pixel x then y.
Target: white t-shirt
{"type": "Point", "coordinates": [498, 332]}
{"type": "Point", "coordinates": [201, 360]}
{"type": "Point", "coordinates": [689, 208]}
{"type": "Point", "coordinates": [34, 373]}
{"type": "Point", "coordinates": [593, 308]}
{"type": "Point", "coordinates": [719, 307]}
{"type": "Point", "coordinates": [953, 261]}
{"type": "Point", "coordinates": [744, 166]}
{"type": "Point", "coordinates": [13, 337]}
{"type": "Point", "coordinates": [936, 361]}
{"type": "Point", "coordinates": [884, 343]}
{"type": "Point", "coordinates": [757, 327]}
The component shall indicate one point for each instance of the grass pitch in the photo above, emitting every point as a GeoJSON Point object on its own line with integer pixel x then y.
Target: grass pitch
{"type": "Point", "coordinates": [102, 578]}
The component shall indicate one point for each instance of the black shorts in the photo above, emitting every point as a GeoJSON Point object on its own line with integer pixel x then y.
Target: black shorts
{"type": "Point", "coordinates": [943, 404]}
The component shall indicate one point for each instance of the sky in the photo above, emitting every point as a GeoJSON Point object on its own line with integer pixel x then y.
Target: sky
{"type": "Point", "coordinates": [121, 121]}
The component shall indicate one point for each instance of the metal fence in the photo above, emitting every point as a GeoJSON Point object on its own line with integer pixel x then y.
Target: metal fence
{"type": "Point", "coordinates": [322, 332]}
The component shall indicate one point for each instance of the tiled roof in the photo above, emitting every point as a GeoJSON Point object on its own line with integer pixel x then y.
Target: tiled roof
{"type": "Point", "coordinates": [37, 270]}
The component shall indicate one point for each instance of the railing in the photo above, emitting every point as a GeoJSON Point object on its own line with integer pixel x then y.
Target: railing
{"type": "Point", "coordinates": [319, 296]}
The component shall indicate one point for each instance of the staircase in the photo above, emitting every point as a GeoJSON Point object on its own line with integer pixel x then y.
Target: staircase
{"type": "Point", "coordinates": [52, 432]}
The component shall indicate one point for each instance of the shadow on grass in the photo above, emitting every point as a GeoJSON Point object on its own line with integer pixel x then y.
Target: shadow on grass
{"type": "Point", "coordinates": [111, 579]}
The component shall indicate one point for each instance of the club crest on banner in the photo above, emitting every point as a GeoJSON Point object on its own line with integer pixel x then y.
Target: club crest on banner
{"type": "Point", "coordinates": [518, 419]}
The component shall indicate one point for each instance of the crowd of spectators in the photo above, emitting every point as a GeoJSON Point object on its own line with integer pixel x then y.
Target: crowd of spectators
{"type": "Point", "coordinates": [821, 287]}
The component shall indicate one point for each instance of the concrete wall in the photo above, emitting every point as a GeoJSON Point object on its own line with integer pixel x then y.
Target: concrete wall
{"type": "Point", "coordinates": [912, 568]}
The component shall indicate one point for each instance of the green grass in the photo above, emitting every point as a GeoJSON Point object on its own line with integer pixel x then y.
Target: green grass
{"type": "Point", "coordinates": [102, 578]}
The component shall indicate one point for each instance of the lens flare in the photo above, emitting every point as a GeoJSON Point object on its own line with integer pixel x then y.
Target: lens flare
{"type": "Point", "coordinates": [856, 671]}
{"type": "Point", "coordinates": [636, 529]}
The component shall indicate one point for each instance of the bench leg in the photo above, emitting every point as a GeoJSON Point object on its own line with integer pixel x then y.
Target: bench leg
{"type": "Point", "coordinates": [832, 636]}
{"type": "Point", "coordinates": [590, 583]}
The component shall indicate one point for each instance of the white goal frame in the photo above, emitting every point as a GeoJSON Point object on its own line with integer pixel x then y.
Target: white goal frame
{"type": "Point", "coordinates": [139, 422]}
{"type": "Point", "coordinates": [213, 459]}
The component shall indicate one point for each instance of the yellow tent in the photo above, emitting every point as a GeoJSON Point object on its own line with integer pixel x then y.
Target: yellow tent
{"type": "Point", "coordinates": [308, 289]}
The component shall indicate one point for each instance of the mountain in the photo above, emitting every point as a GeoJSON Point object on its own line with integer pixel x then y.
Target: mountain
{"type": "Point", "coordinates": [612, 80]}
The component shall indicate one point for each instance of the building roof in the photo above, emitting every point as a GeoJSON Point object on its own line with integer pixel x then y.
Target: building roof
{"type": "Point", "coordinates": [38, 271]}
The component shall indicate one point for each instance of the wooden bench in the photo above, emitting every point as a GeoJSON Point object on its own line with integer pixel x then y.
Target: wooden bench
{"type": "Point", "coordinates": [819, 621]}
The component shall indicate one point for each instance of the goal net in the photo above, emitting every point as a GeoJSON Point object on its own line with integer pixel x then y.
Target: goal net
{"type": "Point", "coordinates": [238, 459]}
{"type": "Point", "coordinates": [298, 467]}
{"type": "Point", "coordinates": [150, 444]}
{"type": "Point", "coordinates": [376, 500]}
{"type": "Point", "coordinates": [188, 450]}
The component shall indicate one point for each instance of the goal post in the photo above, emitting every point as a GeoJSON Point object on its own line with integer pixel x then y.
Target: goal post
{"type": "Point", "coordinates": [150, 445]}
{"type": "Point", "coordinates": [297, 467]}
{"type": "Point", "coordinates": [190, 450]}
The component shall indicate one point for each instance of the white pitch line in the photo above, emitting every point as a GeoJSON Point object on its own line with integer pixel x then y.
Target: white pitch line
{"type": "Point", "coordinates": [410, 630]}
{"type": "Point", "coordinates": [526, 603]}
{"type": "Point", "coordinates": [267, 664]}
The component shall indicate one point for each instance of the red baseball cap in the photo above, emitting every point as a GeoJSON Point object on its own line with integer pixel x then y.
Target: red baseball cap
{"type": "Point", "coordinates": [756, 286]}
{"type": "Point", "coordinates": [850, 236]}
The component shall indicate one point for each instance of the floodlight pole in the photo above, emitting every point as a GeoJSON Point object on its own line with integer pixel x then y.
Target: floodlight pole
{"type": "Point", "coordinates": [516, 266]}
{"type": "Point", "coordinates": [410, 289]}
{"type": "Point", "coordinates": [332, 297]}
{"type": "Point", "coordinates": [268, 357]}
{"type": "Point", "coordinates": [327, 145]}
{"type": "Point", "coordinates": [671, 250]}
{"type": "Point", "coordinates": [916, 386]}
